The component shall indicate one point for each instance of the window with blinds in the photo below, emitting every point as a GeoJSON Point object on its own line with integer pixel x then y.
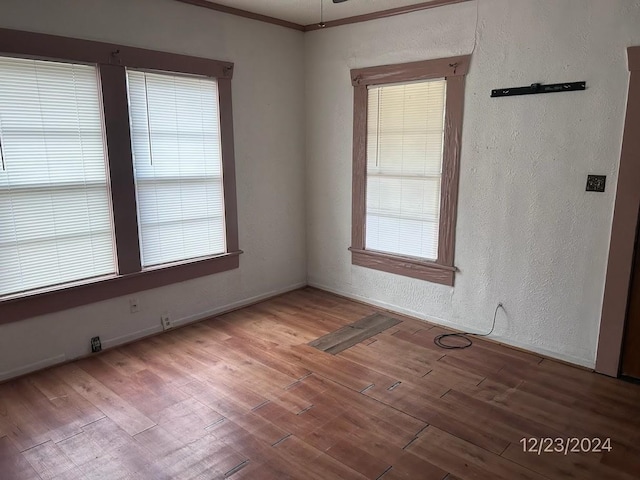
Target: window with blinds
{"type": "Point", "coordinates": [405, 133]}
{"type": "Point", "coordinates": [55, 213]}
{"type": "Point", "coordinates": [175, 129]}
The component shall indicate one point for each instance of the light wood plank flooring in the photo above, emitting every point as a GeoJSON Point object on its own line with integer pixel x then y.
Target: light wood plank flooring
{"type": "Point", "coordinates": [242, 396]}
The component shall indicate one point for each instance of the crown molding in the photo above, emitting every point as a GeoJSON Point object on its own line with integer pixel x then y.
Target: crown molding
{"type": "Point", "coordinates": [244, 13]}
{"type": "Point", "coordinates": [331, 23]}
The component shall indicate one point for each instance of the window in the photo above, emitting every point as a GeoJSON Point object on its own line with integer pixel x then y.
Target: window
{"type": "Point", "coordinates": [178, 166]}
{"type": "Point", "coordinates": [407, 129]}
{"type": "Point", "coordinates": [55, 212]}
{"type": "Point", "coordinates": [117, 172]}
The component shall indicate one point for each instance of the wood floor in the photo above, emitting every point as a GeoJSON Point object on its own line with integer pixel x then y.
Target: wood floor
{"type": "Point", "coordinates": [242, 396]}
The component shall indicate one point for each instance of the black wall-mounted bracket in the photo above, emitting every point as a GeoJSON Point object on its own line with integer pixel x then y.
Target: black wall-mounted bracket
{"type": "Point", "coordinates": [539, 88]}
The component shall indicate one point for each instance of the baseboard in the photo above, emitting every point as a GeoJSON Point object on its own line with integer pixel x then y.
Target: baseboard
{"type": "Point", "coordinates": [130, 337]}
{"type": "Point", "coordinates": [147, 332]}
{"type": "Point", "coordinates": [32, 367]}
{"type": "Point", "coordinates": [150, 331]}
{"type": "Point", "coordinates": [237, 305]}
{"type": "Point", "coordinates": [181, 322]}
{"type": "Point", "coordinates": [575, 361]}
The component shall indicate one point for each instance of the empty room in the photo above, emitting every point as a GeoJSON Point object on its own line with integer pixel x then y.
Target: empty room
{"type": "Point", "coordinates": [319, 239]}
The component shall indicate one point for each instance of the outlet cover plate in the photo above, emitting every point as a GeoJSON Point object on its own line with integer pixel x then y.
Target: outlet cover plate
{"type": "Point", "coordinates": [166, 321]}
{"type": "Point", "coordinates": [134, 305]}
{"type": "Point", "coordinates": [96, 345]}
{"type": "Point", "coordinates": [596, 183]}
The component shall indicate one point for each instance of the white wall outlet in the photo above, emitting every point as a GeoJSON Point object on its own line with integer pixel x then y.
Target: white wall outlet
{"type": "Point", "coordinates": [134, 305]}
{"type": "Point", "coordinates": [166, 321]}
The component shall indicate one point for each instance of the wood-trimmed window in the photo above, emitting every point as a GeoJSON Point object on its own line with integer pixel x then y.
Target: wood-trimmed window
{"type": "Point", "coordinates": [400, 104]}
{"type": "Point", "coordinates": [112, 63]}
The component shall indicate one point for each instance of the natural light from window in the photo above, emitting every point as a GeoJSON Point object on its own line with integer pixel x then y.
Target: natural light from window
{"type": "Point", "coordinates": [405, 132]}
{"type": "Point", "coordinates": [55, 211]}
{"type": "Point", "coordinates": [177, 157]}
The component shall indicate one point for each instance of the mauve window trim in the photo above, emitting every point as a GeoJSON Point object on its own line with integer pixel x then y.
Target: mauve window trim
{"type": "Point", "coordinates": [453, 70]}
{"type": "Point", "coordinates": [111, 61]}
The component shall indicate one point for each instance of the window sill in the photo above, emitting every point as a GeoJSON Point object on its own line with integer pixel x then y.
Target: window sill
{"type": "Point", "coordinates": [407, 266]}
{"type": "Point", "coordinates": [20, 308]}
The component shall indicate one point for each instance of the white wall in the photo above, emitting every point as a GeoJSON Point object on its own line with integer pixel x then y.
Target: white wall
{"type": "Point", "coordinates": [268, 90]}
{"type": "Point", "coordinates": [527, 233]}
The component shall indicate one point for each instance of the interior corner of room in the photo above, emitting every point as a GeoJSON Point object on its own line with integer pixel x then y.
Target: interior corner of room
{"type": "Point", "coordinates": [524, 232]}
{"type": "Point", "coordinates": [319, 239]}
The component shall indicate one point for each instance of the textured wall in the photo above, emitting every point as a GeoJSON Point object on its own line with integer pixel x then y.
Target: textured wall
{"type": "Point", "coordinates": [269, 139]}
{"type": "Point", "coordinates": [527, 234]}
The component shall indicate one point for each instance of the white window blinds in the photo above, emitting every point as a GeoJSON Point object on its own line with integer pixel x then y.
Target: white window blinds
{"type": "Point", "coordinates": [55, 214]}
{"type": "Point", "coordinates": [175, 130]}
{"type": "Point", "coordinates": [405, 131]}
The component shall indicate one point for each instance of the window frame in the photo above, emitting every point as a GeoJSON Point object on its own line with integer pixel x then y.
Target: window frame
{"type": "Point", "coordinates": [111, 61]}
{"type": "Point", "coordinates": [453, 70]}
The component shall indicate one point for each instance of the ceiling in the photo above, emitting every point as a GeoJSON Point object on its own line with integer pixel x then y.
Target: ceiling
{"type": "Point", "coordinates": [306, 12]}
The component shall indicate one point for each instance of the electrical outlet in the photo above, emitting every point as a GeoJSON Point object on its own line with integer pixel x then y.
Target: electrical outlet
{"type": "Point", "coordinates": [134, 305]}
{"type": "Point", "coordinates": [166, 321]}
{"type": "Point", "coordinates": [596, 183]}
{"type": "Point", "coordinates": [96, 346]}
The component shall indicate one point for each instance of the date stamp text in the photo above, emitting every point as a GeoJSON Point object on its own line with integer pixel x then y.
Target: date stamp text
{"type": "Point", "coordinates": [565, 445]}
